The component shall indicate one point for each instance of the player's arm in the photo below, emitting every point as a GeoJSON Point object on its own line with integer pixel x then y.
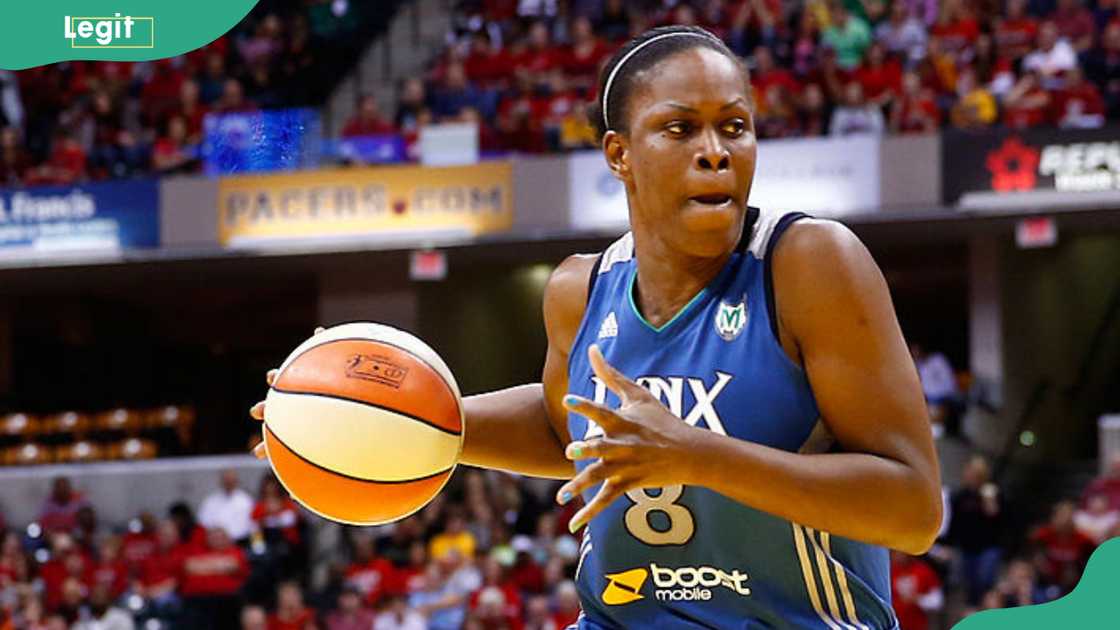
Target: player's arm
{"type": "Point", "coordinates": [884, 488]}
{"type": "Point", "coordinates": [524, 429]}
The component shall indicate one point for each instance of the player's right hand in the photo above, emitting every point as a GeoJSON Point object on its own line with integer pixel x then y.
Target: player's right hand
{"type": "Point", "coordinates": [257, 410]}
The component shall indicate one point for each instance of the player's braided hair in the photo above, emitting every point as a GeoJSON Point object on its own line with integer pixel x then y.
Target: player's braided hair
{"type": "Point", "coordinates": [616, 81]}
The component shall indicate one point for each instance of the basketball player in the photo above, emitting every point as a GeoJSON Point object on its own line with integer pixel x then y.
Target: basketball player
{"type": "Point", "coordinates": [748, 430]}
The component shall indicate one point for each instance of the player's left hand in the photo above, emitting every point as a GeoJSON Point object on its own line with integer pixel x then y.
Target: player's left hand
{"type": "Point", "coordinates": [644, 446]}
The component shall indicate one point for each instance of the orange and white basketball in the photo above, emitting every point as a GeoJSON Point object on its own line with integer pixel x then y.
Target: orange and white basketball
{"type": "Point", "coordinates": [363, 424]}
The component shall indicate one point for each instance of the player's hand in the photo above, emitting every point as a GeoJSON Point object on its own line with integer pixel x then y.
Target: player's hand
{"type": "Point", "coordinates": [644, 446]}
{"type": "Point", "coordinates": [257, 410]}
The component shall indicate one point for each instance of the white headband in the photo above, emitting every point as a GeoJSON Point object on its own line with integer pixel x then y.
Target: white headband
{"type": "Point", "coordinates": [626, 57]}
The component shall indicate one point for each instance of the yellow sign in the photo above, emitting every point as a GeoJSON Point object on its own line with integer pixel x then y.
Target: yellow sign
{"type": "Point", "coordinates": [380, 203]}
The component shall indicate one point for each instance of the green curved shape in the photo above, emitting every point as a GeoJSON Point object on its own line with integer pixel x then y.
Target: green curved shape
{"type": "Point", "coordinates": [37, 32]}
{"type": "Point", "coordinates": [1092, 604]}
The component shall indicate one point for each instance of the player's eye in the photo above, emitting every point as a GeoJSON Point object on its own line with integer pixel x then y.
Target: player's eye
{"type": "Point", "coordinates": [735, 127]}
{"type": "Point", "coordinates": [678, 128]}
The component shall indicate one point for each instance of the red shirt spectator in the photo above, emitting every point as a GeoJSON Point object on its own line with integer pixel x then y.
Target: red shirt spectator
{"type": "Point", "coordinates": [540, 56]}
{"type": "Point", "coordinates": [60, 511]}
{"type": "Point", "coordinates": [219, 568]}
{"type": "Point", "coordinates": [767, 75]}
{"type": "Point", "coordinates": [367, 122]}
{"type": "Point", "coordinates": [915, 591]}
{"type": "Point", "coordinates": [581, 60]}
{"type": "Point", "coordinates": [110, 569]}
{"type": "Point", "coordinates": [71, 563]}
{"type": "Point", "coordinates": [1026, 105]}
{"type": "Point", "coordinates": [368, 573]}
{"type": "Point", "coordinates": [957, 30]}
{"type": "Point", "coordinates": [916, 111]}
{"type": "Point", "coordinates": [485, 66]}
{"type": "Point", "coordinates": [1107, 485]}
{"type": "Point", "coordinates": [136, 547]}
{"type": "Point", "coordinates": [880, 77]}
{"type": "Point", "coordinates": [1075, 23]}
{"type": "Point", "coordinates": [1066, 549]}
{"type": "Point", "coordinates": [161, 91]}
{"type": "Point", "coordinates": [1079, 103]}
{"type": "Point", "coordinates": [290, 613]}
{"type": "Point", "coordinates": [1016, 33]}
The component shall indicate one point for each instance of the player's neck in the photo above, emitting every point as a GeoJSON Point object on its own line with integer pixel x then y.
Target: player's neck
{"type": "Point", "coordinates": [667, 281]}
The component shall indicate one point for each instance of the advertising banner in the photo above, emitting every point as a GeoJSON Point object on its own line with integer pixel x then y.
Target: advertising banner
{"type": "Point", "coordinates": [102, 216]}
{"type": "Point", "coordinates": [1001, 165]}
{"type": "Point", "coordinates": [367, 204]}
{"type": "Point", "coordinates": [827, 177]}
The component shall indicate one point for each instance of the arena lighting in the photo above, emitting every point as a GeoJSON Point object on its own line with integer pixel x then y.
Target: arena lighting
{"type": "Point", "coordinates": [34, 531]}
{"type": "Point", "coordinates": [135, 602]}
{"type": "Point", "coordinates": [1027, 438]}
{"type": "Point", "coordinates": [42, 556]}
{"type": "Point", "coordinates": [135, 526]}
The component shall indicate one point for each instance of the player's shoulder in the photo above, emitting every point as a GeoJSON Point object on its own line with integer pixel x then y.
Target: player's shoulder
{"type": "Point", "coordinates": [818, 244]}
{"type": "Point", "coordinates": [565, 297]}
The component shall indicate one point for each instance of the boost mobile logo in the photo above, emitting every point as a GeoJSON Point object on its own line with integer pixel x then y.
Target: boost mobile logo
{"type": "Point", "coordinates": [673, 585]}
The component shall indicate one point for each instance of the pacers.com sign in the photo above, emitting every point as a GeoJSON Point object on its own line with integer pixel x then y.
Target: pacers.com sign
{"type": "Point", "coordinates": [116, 31]}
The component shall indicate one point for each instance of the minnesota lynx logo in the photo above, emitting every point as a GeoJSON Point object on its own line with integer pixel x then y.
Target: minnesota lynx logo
{"type": "Point", "coordinates": [730, 320]}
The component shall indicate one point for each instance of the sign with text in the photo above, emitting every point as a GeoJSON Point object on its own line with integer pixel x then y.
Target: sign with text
{"type": "Point", "coordinates": [102, 216]}
{"type": "Point", "coordinates": [367, 204]}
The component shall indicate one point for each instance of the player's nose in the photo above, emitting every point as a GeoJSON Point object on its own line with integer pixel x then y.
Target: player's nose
{"type": "Point", "coordinates": [711, 154]}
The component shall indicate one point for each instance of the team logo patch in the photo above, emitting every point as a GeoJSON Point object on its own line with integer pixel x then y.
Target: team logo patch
{"type": "Point", "coordinates": [731, 319]}
{"type": "Point", "coordinates": [625, 587]}
{"type": "Point", "coordinates": [609, 327]}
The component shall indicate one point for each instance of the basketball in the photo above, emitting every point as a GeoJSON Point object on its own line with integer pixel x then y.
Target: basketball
{"type": "Point", "coordinates": [363, 424]}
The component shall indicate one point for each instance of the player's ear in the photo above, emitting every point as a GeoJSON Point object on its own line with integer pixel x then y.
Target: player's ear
{"type": "Point", "coordinates": [618, 157]}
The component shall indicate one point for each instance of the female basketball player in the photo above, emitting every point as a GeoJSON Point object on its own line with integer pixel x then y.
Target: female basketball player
{"type": "Point", "coordinates": [747, 427]}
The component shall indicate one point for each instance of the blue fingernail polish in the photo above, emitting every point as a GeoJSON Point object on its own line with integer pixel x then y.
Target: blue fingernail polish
{"type": "Point", "coordinates": [564, 498]}
{"type": "Point", "coordinates": [577, 452]}
{"type": "Point", "coordinates": [570, 399]}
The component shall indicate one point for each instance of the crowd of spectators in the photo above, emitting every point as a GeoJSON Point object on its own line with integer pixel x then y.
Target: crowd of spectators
{"type": "Point", "coordinates": [77, 121]}
{"type": "Point", "coordinates": [525, 71]}
{"type": "Point", "coordinates": [490, 552]}
{"type": "Point", "coordinates": [993, 567]}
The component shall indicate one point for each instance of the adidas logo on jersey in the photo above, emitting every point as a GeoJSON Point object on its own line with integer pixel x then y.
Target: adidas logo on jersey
{"type": "Point", "coordinates": [609, 327]}
{"type": "Point", "coordinates": [686, 584]}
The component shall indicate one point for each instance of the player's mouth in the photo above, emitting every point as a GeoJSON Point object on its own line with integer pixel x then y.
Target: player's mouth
{"type": "Point", "coordinates": [713, 200]}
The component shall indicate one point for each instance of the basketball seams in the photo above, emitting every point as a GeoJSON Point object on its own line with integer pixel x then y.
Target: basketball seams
{"type": "Point", "coordinates": [440, 377]}
{"type": "Point", "coordinates": [352, 477]}
{"type": "Point", "coordinates": [367, 403]}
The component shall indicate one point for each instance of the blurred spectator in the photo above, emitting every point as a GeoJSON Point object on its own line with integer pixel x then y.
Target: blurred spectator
{"type": "Point", "coordinates": [1053, 56]}
{"type": "Point", "coordinates": [915, 591]}
{"type": "Point", "coordinates": [567, 604]}
{"type": "Point", "coordinates": [614, 22]}
{"type": "Point", "coordinates": [494, 577]}
{"type": "Point", "coordinates": [1075, 24]}
{"type": "Point", "coordinates": [351, 613]}
{"type": "Point", "coordinates": [410, 105]}
{"type": "Point", "coordinates": [812, 111]}
{"type": "Point", "coordinates": [212, 82]}
{"type": "Point", "coordinates": [443, 597]}
{"type": "Point", "coordinates": [456, 93]}
{"type": "Point", "coordinates": [1097, 519]}
{"type": "Point", "coordinates": [14, 158]}
{"type": "Point", "coordinates": [1015, 33]}
{"type": "Point", "coordinates": [140, 541]}
{"type": "Point", "coordinates": [60, 511]}
{"type": "Point", "coordinates": [367, 573]}
{"type": "Point", "coordinates": [1018, 587]}
{"type": "Point", "coordinates": [939, 382]}
{"type": "Point", "coordinates": [233, 99]}
{"type": "Point", "coordinates": [159, 573]}
{"type": "Point", "coordinates": [1103, 67]}
{"type": "Point", "coordinates": [190, 532]}
{"type": "Point", "coordinates": [538, 616]}
{"type": "Point", "coordinates": [398, 616]}
{"type": "Point", "coordinates": [11, 106]}
{"type": "Point", "coordinates": [493, 610]}
{"type": "Point", "coordinates": [291, 613]}
{"type": "Point", "coordinates": [1027, 104]}
{"type": "Point", "coordinates": [229, 508]}
{"type": "Point", "coordinates": [280, 524]}
{"type": "Point", "coordinates": [582, 58]}
{"type": "Point", "coordinates": [265, 42]}
{"type": "Point", "coordinates": [102, 614]}
{"type": "Point", "coordinates": [1066, 549]}
{"type": "Point", "coordinates": [880, 77]}
{"type": "Point", "coordinates": [368, 120]}
{"type": "Point", "coordinates": [849, 35]}
{"type": "Point", "coordinates": [956, 28]}
{"type": "Point", "coordinates": [212, 579]}
{"type": "Point", "coordinates": [171, 154]}
{"type": "Point", "coordinates": [110, 570]}
{"type": "Point", "coordinates": [993, 69]}
{"type": "Point", "coordinates": [903, 34]}
{"type": "Point", "coordinates": [856, 116]}
{"type": "Point", "coordinates": [454, 538]}
{"type": "Point", "coordinates": [766, 75]}
{"type": "Point", "coordinates": [253, 618]}
{"type": "Point", "coordinates": [976, 108]}
{"type": "Point", "coordinates": [1107, 485]}
{"type": "Point", "coordinates": [1078, 105]}
{"type": "Point", "coordinates": [486, 65]}
{"type": "Point", "coordinates": [976, 527]}
{"type": "Point", "coordinates": [916, 111]}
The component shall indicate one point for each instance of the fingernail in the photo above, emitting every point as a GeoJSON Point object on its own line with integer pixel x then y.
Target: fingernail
{"type": "Point", "coordinates": [573, 526]}
{"type": "Point", "coordinates": [565, 497]}
{"type": "Point", "coordinates": [570, 399]}
{"type": "Point", "coordinates": [576, 451]}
